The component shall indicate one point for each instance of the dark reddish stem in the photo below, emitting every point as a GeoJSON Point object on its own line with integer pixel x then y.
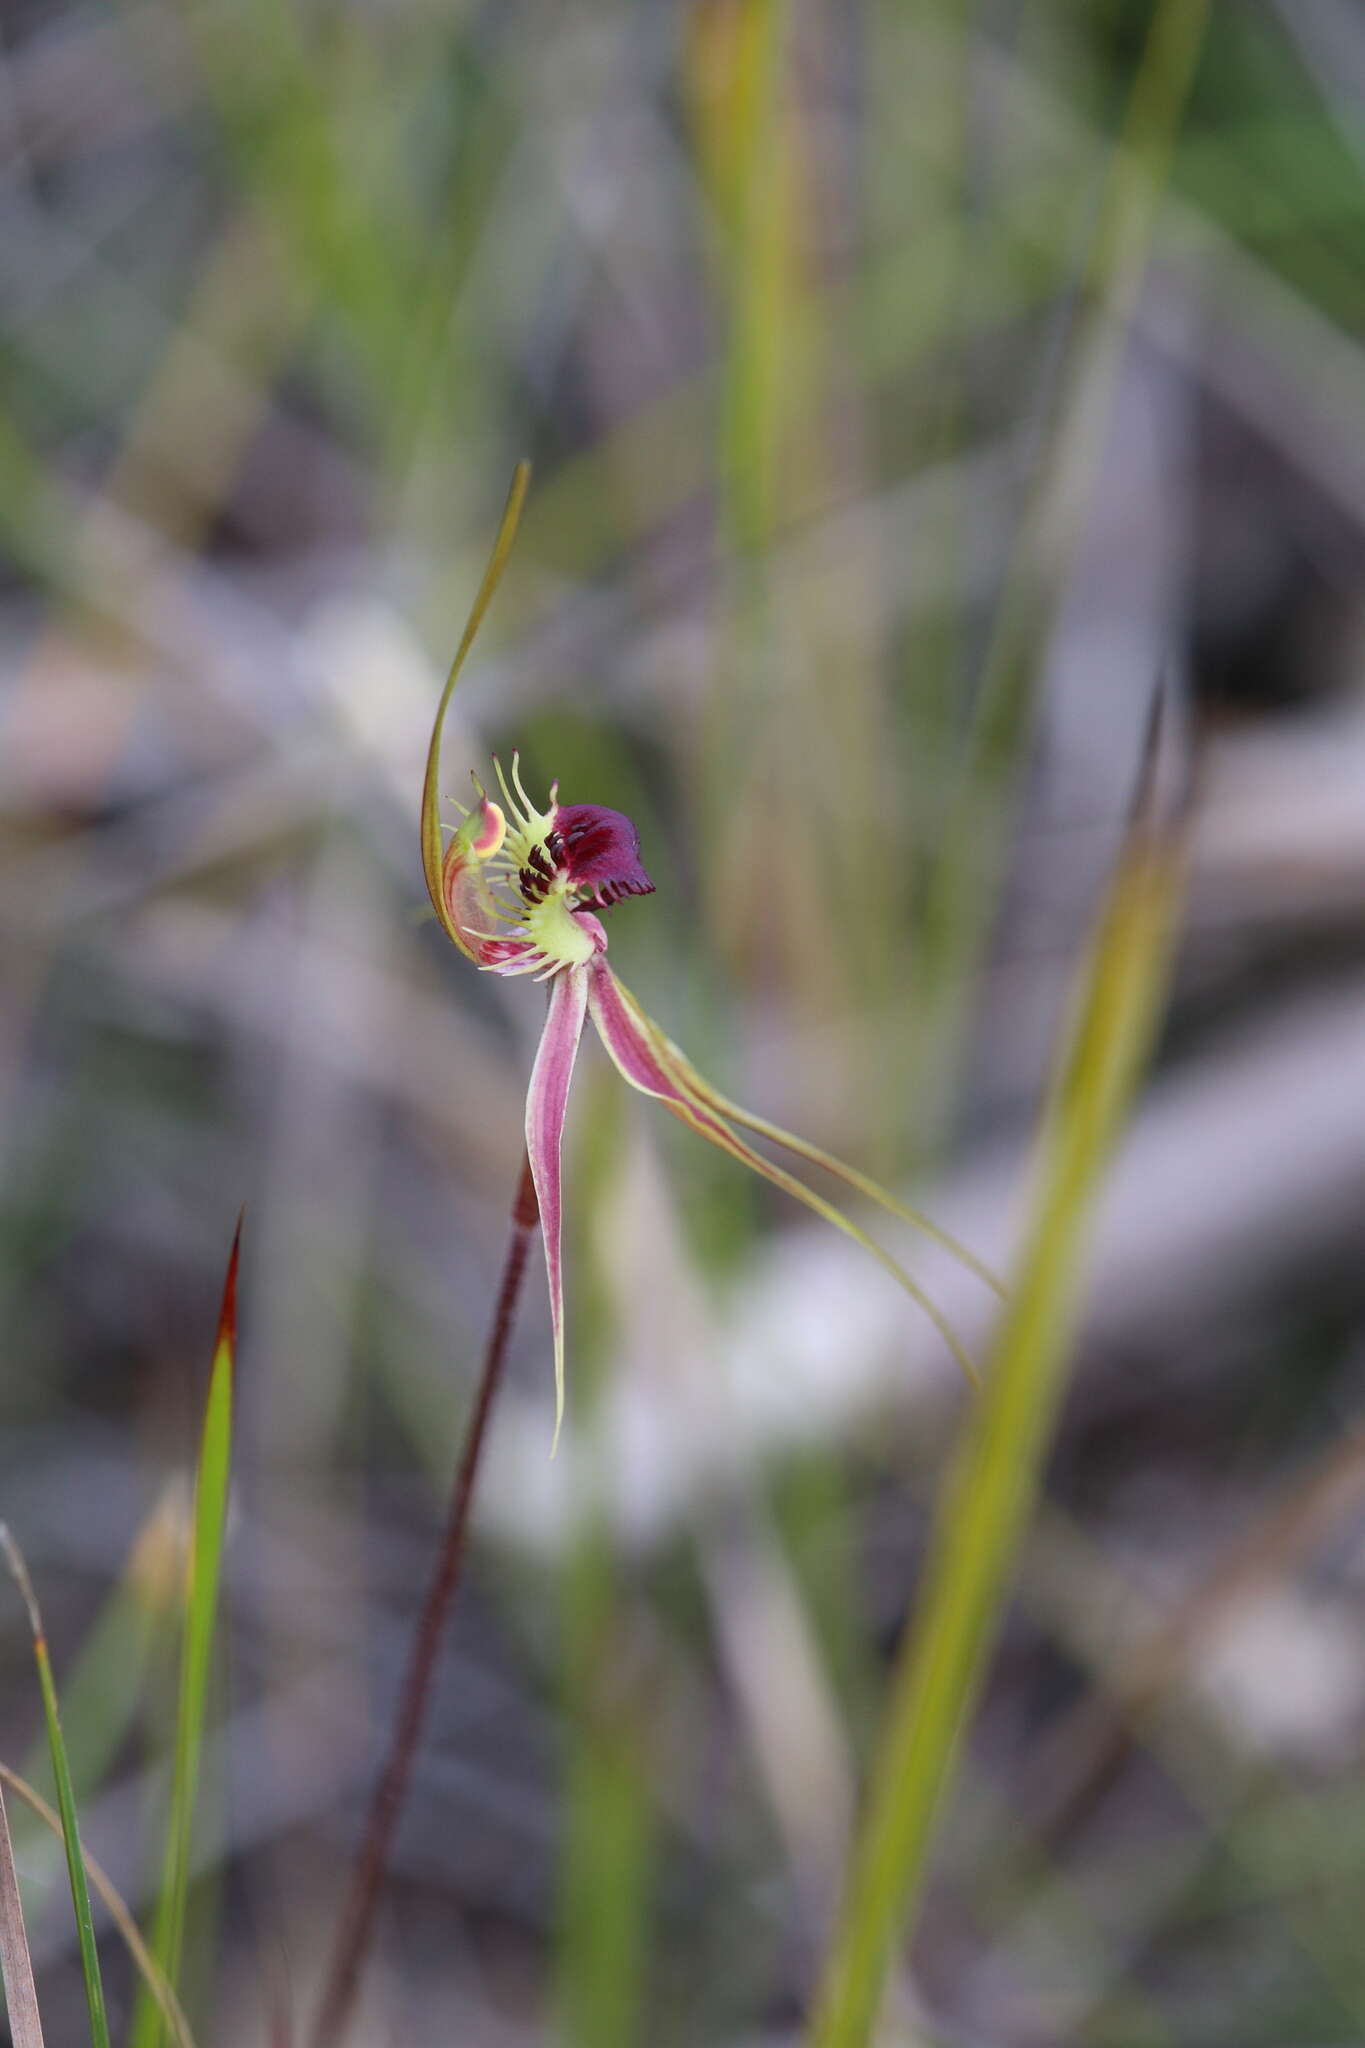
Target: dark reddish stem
{"type": "Point", "coordinates": [355, 1927]}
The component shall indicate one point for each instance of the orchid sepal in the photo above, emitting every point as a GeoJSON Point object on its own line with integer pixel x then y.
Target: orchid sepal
{"type": "Point", "coordinates": [711, 1098]}
{"type": "Point", "coordinates": [547, 1100]}
{"type": "Point", "coordinates": [644, 1057]}
{"type": "Point", "coordinates": [432, 857]}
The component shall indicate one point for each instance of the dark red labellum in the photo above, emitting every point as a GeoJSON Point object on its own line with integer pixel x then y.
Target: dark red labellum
{"type": "Point", "coordinates": [601, 852]}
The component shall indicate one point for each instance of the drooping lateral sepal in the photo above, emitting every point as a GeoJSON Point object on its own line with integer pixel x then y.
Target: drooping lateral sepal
{"type": "Point", "coordinates": [711, 1098]}
{"type": "Point", "coordinates": [648, 1060]}
{"type": "Point", "coordinates": [546, 1102]}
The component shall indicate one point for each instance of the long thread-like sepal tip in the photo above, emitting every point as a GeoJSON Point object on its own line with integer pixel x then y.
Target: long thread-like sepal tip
{"type": "Point", "coordinates": [650, 1062]}
{"type": "Point", "coordinates": [701, 1092]}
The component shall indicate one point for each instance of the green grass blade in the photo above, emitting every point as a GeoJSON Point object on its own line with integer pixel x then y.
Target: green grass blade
{"type": "Point", "coordinates": [963, 887]}
{"type": "Point", "coordinates": [985, 1506]}
{"type": "Point", "coordinates": [201, 1611]}
{"type": "Point", "coordinates": [75, 1861]}
{"type": "Point", "coordinates": [16, 1967]}
{"type": "Point", "coordinates": [608, 1849]}
{"type": "Point", "coordinates": [114, 1906]}
{"type": "Point", "coordinates": [104, 1681]}
{"type": "Point", "coordinates": [606, 1879]}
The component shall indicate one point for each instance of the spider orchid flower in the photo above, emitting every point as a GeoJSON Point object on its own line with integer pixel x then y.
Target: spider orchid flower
{"type": "Point", "coordinates": [518, 889]}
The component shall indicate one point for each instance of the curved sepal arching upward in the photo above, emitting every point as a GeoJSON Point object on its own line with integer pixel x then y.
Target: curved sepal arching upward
{"type": "Point", "coordinates": [431, 787]}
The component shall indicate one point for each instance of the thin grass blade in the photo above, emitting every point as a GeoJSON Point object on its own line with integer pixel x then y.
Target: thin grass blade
{"type": "Point", "coordinates": [963, 885]}
{"type": "Point", "coordinates": [103, 1684]}
{"type": "Point", "coordinates": [66, 1801]}
{"type": "Point", "coordinates": [996, 1474]}
{"type": "Point", "coordinates": [116, 1908]}
{"type": "Point", "coordinates": [607, 1870]}
{"type": "Point", "coordinates": [16, 1967]}
{"type": "Point", "coordinates": [201, 1613]}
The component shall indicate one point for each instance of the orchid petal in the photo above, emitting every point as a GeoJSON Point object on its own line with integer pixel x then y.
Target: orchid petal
{"type": "Point", "coordinates": [438, 886]}
{"type": "Point", "coordinates": [546, 1101]}
{"type": "Point", "coordinates": [711, 1098]}
{"type": "Point", "coordinates": [468, 904]}
{"type": "Point", "coordinates": [646, 1058]}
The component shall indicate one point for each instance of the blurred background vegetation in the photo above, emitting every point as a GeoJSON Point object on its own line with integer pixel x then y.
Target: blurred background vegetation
{"type": "Point", "coordinates": [896, 425]}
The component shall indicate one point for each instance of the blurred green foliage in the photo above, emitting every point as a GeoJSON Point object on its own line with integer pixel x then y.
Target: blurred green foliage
{"type": "Point", "coordinates": [875, 397]}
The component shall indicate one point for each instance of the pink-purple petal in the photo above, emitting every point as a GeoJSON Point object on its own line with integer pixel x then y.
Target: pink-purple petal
{"type": "Point", "coordinates": [546, 1101]}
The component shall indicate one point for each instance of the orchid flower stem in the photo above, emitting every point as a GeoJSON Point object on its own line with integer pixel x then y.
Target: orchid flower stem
{"type": "Point", "coordinates": [356, 1925]}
